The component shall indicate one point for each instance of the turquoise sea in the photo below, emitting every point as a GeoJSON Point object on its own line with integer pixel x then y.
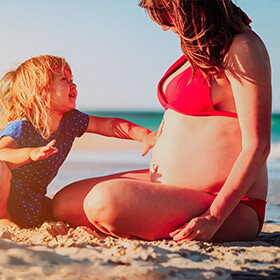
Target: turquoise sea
{"type": "Point", "coordinates": [97, 163]}
{"type": "Point", "coordinates": [151, 119]}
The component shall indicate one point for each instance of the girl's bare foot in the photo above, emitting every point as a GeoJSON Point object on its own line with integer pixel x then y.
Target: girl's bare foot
{"type": "Point", "coordinates": [5, 222]}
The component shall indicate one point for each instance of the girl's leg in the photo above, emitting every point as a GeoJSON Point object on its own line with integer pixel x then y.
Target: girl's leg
{"type": "Point", "coordinates": [5, 178]}
{"type": "Point", "coordinates": [67, 204]}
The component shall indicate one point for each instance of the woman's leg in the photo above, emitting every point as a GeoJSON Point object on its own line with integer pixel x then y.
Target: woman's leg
{"type": "Point", "coordinates": [133, 208]}
{"type": "Point", "coordinates": [121, 206]}
{"type": "Point", "coordinates": [242, 224]}
{"type": "Point", "coordinates": [67, 204]}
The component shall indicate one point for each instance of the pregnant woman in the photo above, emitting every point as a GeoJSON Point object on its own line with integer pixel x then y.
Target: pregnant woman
{"type": "Point", "coordinates": [208, 176]}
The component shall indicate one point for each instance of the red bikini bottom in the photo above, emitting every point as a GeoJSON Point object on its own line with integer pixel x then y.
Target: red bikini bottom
{"type": "Point", "coordinates": [258, 205]}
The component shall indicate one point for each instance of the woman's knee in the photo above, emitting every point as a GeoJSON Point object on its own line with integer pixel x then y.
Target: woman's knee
{"type": "Point", "coordinates": [103, 204]}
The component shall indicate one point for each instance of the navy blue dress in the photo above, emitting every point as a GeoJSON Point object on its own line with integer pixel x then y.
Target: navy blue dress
{"type": "Point", "coordinates": [27, 204]}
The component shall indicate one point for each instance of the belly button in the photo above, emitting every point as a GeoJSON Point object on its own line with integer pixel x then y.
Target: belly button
{"type": "Point", "coordinates": [154, 168]}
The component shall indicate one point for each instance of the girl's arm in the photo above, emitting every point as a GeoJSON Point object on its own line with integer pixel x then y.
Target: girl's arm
{"type": "Point", "coordinates": [120, 128]}
{"type": "Point", "coordinates": [15, 157]}
{"type": "Point", "coordinates": [249, 74]}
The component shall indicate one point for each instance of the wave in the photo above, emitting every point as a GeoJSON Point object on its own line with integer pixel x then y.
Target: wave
{"type": "Point", "coordinates": [135, 155]}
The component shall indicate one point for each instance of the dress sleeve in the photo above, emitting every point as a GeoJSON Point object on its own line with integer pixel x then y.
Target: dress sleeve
{"type": "Point", "coordinates": [15, 130]}
{"type": "Point", "coordinates": [78, 122]}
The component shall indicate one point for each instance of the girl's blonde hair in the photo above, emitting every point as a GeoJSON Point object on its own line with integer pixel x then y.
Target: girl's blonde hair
{"type": "Point", "coordinates": [206, 28]}
{"type": "Point", "coordinates": [25, 92]}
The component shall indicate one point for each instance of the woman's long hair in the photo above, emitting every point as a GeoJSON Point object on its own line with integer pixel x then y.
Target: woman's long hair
{"type": "Point", "coordinates": [206, 28]}
{"type": "Point", "coordinates": [25, 92]}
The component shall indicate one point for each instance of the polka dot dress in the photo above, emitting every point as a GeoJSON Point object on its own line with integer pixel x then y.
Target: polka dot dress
{"type": "Point", "coordinates": [28, 206]}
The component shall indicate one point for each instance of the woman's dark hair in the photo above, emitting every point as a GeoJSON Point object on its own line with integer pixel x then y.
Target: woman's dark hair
{"type": "Point", "coordinates": [206, 28]}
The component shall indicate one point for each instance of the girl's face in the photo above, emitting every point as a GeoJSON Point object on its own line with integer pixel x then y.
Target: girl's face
{"type": "Point", "coordinates": [63, 91]}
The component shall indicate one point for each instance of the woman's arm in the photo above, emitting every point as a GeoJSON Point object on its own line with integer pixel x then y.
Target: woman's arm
{"type": "Point", "coordinates": [120, 128]}
{"type": "Point", "coordinates": [249, 73]}
{"type": "Point", "coordinates": [15, 157]}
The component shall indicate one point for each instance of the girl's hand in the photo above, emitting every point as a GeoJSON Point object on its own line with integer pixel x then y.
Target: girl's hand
{"type": "Point", "coordinates": [200, 228]}
{"type": "Point", "coordinates": [43, 152]}
{"type": "Point", "coordinates": [149, 140]}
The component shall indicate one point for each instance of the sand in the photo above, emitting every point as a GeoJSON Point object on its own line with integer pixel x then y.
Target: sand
{"type": "Point", "coordinates": [78, 254]}
{"type": "Point", "coordinates": [56, 251]}
{"type": "Point", "coordinates": [97, 142]}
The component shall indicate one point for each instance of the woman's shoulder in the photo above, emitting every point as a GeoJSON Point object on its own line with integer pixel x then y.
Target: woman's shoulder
{"type": "Point", "coordinates": [247, 54]}
{"type": "Point", "coordinates": [247, 41]}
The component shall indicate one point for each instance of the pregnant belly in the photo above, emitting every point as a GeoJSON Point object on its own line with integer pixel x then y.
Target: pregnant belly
{"type": "Point", "coordinates": [195, 152]}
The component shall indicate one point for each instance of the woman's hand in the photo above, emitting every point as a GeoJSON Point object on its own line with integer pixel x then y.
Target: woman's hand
{"type": "Point", "coordinates": [200, 228]}
{"type": "Point", "coordinates": [43, 152]}
{"type": "Point", "coordinates": [149, 140]}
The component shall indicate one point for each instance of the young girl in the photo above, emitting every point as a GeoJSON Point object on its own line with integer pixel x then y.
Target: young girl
{"type": "Point", "coordinates": [39, 123]}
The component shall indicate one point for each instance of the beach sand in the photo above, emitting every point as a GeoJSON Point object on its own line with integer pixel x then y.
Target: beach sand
{"type": "Point", "coordinates": [97, 142]}
{"type": "Point", "coordinates": [41, 254]}
{"type": "Point", "coordinates": [56, 251]}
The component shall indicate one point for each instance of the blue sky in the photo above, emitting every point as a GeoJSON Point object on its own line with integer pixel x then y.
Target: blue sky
{"type": "Point", "coordinates": [116, 53]}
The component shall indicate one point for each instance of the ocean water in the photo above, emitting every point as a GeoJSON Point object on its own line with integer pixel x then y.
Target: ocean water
{"type": "Point", "coordinates": [98, 163]}
{"type": "Point", "coordinates": [152, 119]}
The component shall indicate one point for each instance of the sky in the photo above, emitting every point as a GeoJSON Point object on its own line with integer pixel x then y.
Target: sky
{"type": "Point", "coordinates": [117, 54]}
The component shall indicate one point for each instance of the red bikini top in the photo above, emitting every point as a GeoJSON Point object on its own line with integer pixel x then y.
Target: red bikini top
{"type": "Point", "coordinates": [189, 98]}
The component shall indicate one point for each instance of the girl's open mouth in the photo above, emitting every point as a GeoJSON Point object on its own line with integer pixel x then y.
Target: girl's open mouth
{"type": "Point", "coordinates": [72, 94]}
